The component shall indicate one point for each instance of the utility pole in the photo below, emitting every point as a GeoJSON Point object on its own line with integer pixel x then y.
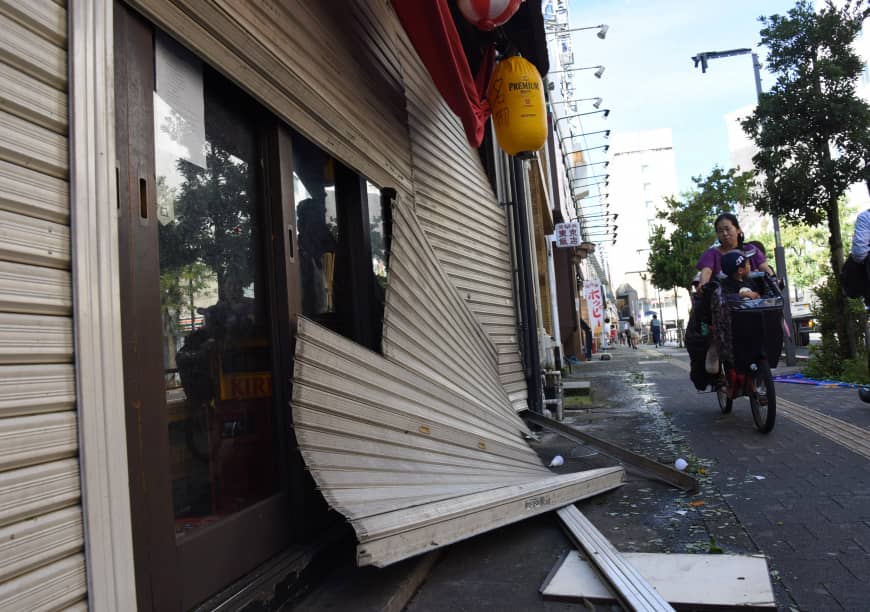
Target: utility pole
{"type": "Point", "coordinates": [779, 252]}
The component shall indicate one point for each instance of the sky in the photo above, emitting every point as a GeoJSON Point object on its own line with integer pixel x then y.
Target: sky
{"type": "Point", "coordinates": [650, 80]}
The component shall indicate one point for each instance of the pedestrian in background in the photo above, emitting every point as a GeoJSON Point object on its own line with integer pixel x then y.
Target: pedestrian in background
{"type": "Point", "coordinates": [587, 339]}
{"type": "Point", "coordinates": [631, 332]}
{"type": "Point", "coordinates": [656, 327]}
{"type": "Point", "coordinates": [861, 237]}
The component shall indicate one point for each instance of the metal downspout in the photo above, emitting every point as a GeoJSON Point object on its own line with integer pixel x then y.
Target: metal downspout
{"type": "Point", "coordinates": [531, 359]}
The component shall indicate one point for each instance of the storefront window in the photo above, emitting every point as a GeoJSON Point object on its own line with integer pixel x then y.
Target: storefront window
{"type": "Point", "coordinates": [317, 228]}
{"type": "Point", "coordinates": [377, 235]}
{"type": "Point", "coordinates": [216, 322]}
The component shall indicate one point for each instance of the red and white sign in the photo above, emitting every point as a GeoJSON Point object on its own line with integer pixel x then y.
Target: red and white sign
{"type": "Point", "coordinates": [567, 234]}
{"type": "Point", "coordinates": [595, 301]}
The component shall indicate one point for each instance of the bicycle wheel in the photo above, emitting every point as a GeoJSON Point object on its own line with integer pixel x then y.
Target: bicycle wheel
{"type": "Point", "coordinates": [763, 399]}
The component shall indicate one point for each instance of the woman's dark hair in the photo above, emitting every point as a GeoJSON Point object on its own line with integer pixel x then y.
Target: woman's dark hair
{"type": "Point", "coordinates": [757, 244]}
{"type": "Point", "coordinates": [733, 219]}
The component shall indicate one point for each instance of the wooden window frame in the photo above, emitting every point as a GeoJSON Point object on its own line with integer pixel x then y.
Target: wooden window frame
{"type": "Point", "coordinates": [298, 512]}
{"type": "Point", "coordinates": [173, 575]}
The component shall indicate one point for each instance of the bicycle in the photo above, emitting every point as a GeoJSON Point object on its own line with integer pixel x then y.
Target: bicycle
{"type": "Point", "coordinates": [864, 392]}
{"type": "Point", "coordinates": [756, 337]}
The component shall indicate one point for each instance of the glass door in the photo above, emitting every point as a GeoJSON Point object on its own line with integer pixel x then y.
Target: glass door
{"type": "Point", "coordinates": [216, 324]}
{"type": "Point", "coordinates": [204, 301]}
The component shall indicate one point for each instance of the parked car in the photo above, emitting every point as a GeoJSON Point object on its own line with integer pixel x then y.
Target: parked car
{"type": "Point", "coordinates": [803, 322]}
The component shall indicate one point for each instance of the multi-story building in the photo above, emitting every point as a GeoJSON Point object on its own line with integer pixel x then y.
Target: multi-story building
{"type": "Point", "coordinates": [642, 174]}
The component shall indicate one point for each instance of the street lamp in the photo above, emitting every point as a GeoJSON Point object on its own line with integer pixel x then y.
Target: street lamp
{"type": "Point", "coordinates": [606, 163]}
{"type": "Point", "coordinates": [605, 147]}
{"type": "Point", "coordinates": [599, 70]}
{"type": "Point", "coordinates": [605, 112]}
{"type": "Point", "coordinates": [591, 176]}
{"type": "Point", "coordinates": [602, 30]}
{"type": "Point", "coordinates": [779, 252]}
{"type": "Point", "coordinates": [596, 104]}
{"type": "Point", "coordinates": [593, 195]}
{"type": "Point", "coordinates": [607, 214]}
{"type": "Point", "coordinates": [571, 136]}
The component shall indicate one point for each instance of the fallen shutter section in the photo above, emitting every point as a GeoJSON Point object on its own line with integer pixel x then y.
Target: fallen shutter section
{"type": "Point", "coordinates": [41, 533]}
{"type": "Point", "coordinates": [420, 447]}
{"type": "Point", "coordinates": [462, 219]}
{"type": "Point", "coordinates": [429, 328]}
{"type": "Point", "coordinates": [411, 464]}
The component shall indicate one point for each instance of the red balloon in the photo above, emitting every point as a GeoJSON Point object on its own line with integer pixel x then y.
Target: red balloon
{"type": "Point", "coordinates": [488, 14]}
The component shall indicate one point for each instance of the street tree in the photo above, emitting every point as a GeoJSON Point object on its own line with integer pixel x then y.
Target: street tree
{"type": "Point", "coordinates": [687, 229]}
{"type": "Point", "coordinates": [811, 129]}
{"type": "Point", "coordinates": [807, 251]}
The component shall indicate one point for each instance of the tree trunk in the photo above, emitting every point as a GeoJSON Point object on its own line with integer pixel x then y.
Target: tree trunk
{"type": "Point", "coordinates": [847, 334]}
{"type": "Point", "coordinates": [677, 317]}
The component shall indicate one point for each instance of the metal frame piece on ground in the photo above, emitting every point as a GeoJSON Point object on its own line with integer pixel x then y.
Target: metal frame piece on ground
{"type": "Point", "coordinates": [693, 581]}
{"type": "Point", "coordinates": [631, 589]}
{"type": "Point", "coordinates": [635, 462]}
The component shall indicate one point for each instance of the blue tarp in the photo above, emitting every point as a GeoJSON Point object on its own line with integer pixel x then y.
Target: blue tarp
{"type": "Point", "coordinates": [800, 379]}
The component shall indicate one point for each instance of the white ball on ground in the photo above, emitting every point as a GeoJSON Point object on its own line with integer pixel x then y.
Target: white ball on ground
{"type": "Point", "coordinates": [681, 464]}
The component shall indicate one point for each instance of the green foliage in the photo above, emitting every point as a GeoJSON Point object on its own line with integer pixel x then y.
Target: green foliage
{"type": "Point", "coordinates": [213, 223]}
{"type": "Point", "coordinates": [687, 231]}
{"type": "Point", "coordinates": [813, 107]}
{"type": "Point", "coordinates": [807, 254]}
{"type": "Point", "coordinates": [826, 359]}
{"type": "Point", "coordinates": [179, 288]}
{"type": "Point", "coordinates": [812, 104]}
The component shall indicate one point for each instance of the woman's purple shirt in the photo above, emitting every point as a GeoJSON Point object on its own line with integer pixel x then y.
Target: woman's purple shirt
{"type": "Point", "coordinates": [712, 258]}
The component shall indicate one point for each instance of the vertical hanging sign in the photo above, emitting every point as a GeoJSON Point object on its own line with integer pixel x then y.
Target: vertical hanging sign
{"type": "Point", "coordinates": [567, 234]}
{"type": "Point", "coordinates": [595, 301]}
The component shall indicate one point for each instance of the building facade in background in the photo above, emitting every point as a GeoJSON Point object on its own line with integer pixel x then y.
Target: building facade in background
{"type": "Point", "coordinates": [642, 174]}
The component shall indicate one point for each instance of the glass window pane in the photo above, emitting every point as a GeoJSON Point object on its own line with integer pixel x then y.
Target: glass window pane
{"type": "Point", "coordinates": [317, 230]}
{"type": "Point", "coordinates": [377, 234]}
{"type": "Point", "coordinates": [216, 323]}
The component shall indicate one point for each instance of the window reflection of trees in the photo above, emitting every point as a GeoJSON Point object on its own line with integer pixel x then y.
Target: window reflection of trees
{"type": "Point", "coordinates": [212, 224]}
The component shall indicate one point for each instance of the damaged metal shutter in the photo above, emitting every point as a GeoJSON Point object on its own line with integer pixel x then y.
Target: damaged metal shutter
{"type": "Point", "coordinates": [462, 218]}
{"type": "Point", "coordinates": [421, 447]}
{"type": "Point", "coordinates": [331, 74]}
{"type": "Point", "coordinates": [41, 536]}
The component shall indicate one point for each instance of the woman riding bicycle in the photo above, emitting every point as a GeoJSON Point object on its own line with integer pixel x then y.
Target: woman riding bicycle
{"type": "Point", "coordinates": [746, 334]}
{"type": "Point", "coordinates": [710, 265]}
{"type": "Point", "coordinates": [730, 238]}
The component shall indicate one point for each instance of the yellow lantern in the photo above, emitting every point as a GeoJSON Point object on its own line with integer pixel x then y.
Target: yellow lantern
{"type": "Point", "coordinates": [516, 97]}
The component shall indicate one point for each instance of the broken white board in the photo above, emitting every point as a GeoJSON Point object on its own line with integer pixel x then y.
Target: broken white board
{"type": "Point", "coordinates": [684, 580]}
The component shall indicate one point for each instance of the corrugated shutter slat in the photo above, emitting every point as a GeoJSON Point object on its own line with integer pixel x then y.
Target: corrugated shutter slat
{"type": "Point", "coordinates": [41, 538]}
{"type": "Point", "coordinates": [33, 194]}
{"type": "Point", "coordinates": [39, 489]}
{"type": "Point", "coordinates": [35, 389]}
{"type": "Point", "coordinates": [39, 541]}
{"type": "Point", "coordinates": [34, 290]}
{"type": "Point", "coordinates": [459, 213]}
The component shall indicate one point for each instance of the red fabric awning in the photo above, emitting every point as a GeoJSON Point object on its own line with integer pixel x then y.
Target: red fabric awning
{"type": "Point", "coordinates": [433, 33]}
